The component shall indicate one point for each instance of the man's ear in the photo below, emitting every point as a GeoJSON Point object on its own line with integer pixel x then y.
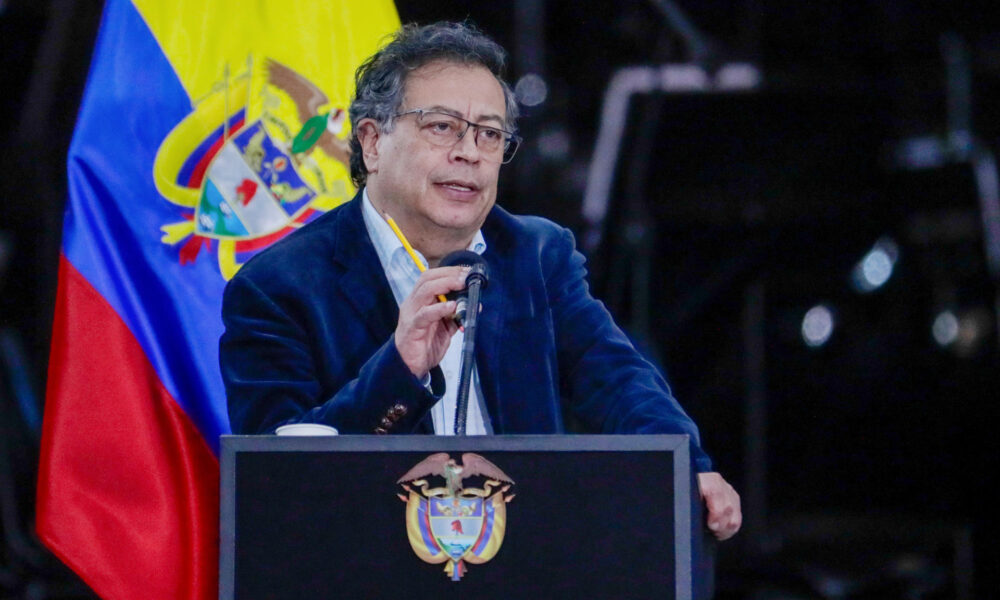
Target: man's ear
{"type": "Point", "coordinates": [368, 134]}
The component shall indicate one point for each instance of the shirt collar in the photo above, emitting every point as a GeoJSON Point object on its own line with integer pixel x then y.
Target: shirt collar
{"type": "Point", "coordinates": [385, 241]}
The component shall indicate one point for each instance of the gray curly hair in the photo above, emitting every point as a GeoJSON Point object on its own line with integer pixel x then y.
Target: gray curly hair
{"type": "Point", "coordinates": [380, 80]}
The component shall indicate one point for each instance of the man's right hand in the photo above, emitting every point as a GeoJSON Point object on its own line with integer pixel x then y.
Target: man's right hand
{"type": "Point", "coordinates": [425, 325]}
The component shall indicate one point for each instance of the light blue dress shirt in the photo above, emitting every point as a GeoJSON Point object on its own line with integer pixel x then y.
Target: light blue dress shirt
{"type": "Point", "coordinates": [402, 276]}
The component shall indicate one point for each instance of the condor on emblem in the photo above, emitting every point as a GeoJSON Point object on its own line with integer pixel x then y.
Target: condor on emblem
{"type": "Point", "coordinates": [454, 524]}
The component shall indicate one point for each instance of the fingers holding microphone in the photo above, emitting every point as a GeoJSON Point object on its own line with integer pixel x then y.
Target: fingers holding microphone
{"type": "Point", "coordinates": [425, 325]}
{"type": "Point", "coordinates": [476, 280]}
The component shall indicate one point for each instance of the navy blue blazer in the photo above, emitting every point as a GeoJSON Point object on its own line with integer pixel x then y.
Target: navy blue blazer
{"type": "Point", "coordinates": [309, 339]}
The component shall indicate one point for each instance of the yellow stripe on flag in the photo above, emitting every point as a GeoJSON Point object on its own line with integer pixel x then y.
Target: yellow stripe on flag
{"type": "Point", "coordinates": [323, 41]}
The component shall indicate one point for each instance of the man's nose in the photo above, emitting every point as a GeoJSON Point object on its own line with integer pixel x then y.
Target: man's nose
{"type": "Point", "coordinates": [465, 147]}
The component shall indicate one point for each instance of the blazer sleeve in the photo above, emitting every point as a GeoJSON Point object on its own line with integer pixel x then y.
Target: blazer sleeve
{"type": "Point", "coordinates": [607, 382]}
{"type": "Point", "coordinates": [272, 377]}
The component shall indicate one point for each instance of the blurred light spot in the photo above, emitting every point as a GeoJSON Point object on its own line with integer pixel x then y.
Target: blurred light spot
{"type": "Point", "coordinates": [737, 76]}
{"type": "Point", "coordinates": [817, 326]}
{"type": "Point", "coordinates": [531, 90]}
{"type": "Point", "coordinates": [945, 328]}
{"type": "Point", "coordinates": [960, 141]}
{"type": "Point", "coordinates": [554, 144]}
{"type": "Point", "coordinates": [921, 153]}
{"type": "Point", "coordinates": [876, 267]}
{"type": "Point", "coordinates": [832, 586]}
{"type": "Point", "coordinates": [965, 332]}
{"type": "Point", "coordinates": [683, 77]}
{"type": "Point", "coordinates": [974, 327]}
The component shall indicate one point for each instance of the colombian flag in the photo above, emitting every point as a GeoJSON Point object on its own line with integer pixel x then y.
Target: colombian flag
{"type": "Point", "coordinates": [207, 131]}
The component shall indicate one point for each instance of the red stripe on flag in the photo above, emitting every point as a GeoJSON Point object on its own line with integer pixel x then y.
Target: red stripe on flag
{"type": "Point", "coordinates": [128, 489]}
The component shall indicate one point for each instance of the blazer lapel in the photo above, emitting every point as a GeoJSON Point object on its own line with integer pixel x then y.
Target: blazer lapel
{"type": "Point", "coordinates": [363, 284]}
{"type": "Point", "coordinates": [491, 321]}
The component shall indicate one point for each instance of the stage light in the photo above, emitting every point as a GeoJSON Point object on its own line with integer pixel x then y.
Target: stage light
{"type": "Point", "coordinates": [555, 144]}
{"type": "Point", "coordinates": [965, 332]}
{"type": "Point", "coordinates": [875, 269]}
{"type": "Point", "coordinates": [531, 90]}
{"type": "Point", "coordinates": [817, 326]}
{"type": "Point", "coordinates": [738, 76]}
{"type": "Point", "coordinates": [945, 328]}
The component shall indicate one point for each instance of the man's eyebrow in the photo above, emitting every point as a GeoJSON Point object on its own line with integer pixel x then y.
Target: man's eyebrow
{"type": "Point", "coordinates": [453, 112]}
{"type": "Point", "coordinates": [443, 109]}
{"type": "Point", "coordinates": [496, 118]}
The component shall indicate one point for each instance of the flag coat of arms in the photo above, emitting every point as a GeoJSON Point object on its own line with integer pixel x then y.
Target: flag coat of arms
{"type": "Point", "coordinates": [207, 132]}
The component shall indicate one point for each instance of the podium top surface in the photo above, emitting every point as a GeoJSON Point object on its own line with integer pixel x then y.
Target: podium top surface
{"type": "Point", "coordinates": [506, 443]}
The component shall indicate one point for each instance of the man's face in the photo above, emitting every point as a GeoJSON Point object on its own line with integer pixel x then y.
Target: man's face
{"type": "Point", "coordinates": [438, 192]}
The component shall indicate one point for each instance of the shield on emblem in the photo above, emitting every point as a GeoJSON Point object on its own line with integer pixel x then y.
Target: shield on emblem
{"type": "Point", "coordinates": [456, 523]}
{"type": "Point", "coordinates": [251, 189]}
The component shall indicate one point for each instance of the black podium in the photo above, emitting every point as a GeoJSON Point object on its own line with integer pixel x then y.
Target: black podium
{"type": "Point", "coordinates": [574, 516]}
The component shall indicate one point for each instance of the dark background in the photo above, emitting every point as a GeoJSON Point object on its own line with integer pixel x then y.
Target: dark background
{"type": "Point", "coordinates": [868, 464]}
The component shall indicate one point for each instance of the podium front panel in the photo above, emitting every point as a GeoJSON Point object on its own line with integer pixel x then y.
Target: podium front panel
{"type": "Point", "coordinates": [586, 517]}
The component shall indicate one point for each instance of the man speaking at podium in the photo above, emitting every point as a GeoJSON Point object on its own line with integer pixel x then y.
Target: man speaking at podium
{"type": "Point", "coordinates": [340, 323]}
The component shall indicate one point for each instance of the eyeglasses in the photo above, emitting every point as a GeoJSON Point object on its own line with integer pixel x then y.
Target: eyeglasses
{"type": "Point", "coordinates": [443, 129]}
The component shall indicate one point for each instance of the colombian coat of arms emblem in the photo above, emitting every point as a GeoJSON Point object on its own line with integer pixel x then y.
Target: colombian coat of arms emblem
{"type": "Point", "coordinates": [259, 156]}
{"type": "Point", "coordinates": [453, 524]}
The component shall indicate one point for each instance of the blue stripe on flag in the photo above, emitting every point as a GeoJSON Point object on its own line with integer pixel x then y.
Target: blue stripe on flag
{"type": "Point", "coordinates": [112, 230]}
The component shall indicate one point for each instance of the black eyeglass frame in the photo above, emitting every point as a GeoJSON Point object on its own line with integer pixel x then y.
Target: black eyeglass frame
{"type": "Point", "coordinates": [511, 140]}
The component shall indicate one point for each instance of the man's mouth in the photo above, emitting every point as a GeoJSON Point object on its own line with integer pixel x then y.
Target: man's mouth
{"type": "Point", "coordinates": [459, 186]}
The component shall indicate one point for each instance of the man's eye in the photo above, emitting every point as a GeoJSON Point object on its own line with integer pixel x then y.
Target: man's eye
{"type": "Point", "coordinates": [488, 133]}
{"type": "Point", "coordinates": [441, 127]}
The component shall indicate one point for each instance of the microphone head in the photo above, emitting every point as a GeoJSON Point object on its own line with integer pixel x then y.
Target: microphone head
{"type": "Point", "coordinates": [467, 258]}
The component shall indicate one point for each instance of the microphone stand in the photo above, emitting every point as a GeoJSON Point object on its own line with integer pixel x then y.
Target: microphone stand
{"type": "Point", "coordinates": [474, 283]}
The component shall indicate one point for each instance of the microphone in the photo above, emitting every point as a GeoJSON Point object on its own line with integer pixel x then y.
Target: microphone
{"type": "Point", "coordinates": [467, 315]}
{"type": "Point", "coordinates": [478, 277]}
